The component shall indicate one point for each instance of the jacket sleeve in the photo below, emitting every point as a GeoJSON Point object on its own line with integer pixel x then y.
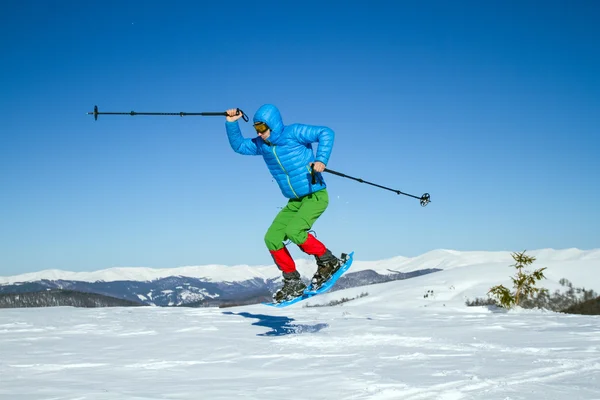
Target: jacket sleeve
{"type": "Point", "coordinates": [307, 134]}
{"type": "Point", "coordinates": [238, 143]}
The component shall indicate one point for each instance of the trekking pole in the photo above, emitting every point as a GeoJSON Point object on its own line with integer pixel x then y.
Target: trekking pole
{"type": "Point", "coordinates": [181, 114]}
{"type": "Point", "coordinates": [424, 199]}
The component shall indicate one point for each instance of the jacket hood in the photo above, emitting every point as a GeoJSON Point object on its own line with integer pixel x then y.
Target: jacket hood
{"type": "Point", "coordinates": [269, 114]}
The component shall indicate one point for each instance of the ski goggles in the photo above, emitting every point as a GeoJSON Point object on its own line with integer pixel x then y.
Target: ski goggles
{"type": "Point", "coordinates": [261, 127]}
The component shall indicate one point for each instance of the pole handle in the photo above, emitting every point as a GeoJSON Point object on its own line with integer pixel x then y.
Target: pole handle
{"type": "Point", "coordinates": [244, 116]}
{"type": "Point", "coordinates": [224, 113]}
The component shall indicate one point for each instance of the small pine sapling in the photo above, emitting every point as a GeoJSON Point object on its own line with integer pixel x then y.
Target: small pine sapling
{"type": "Point", "coordinates": [523, 282]}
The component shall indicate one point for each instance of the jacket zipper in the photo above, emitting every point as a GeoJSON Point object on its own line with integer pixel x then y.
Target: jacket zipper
{"type": "Point", "coordinates": [286, 174]}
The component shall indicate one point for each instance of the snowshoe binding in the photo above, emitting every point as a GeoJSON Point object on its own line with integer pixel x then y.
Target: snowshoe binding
{"type": "Point", "coordinates": [327, 265]}
{"type": "Point", "coordinates": [292, 287]}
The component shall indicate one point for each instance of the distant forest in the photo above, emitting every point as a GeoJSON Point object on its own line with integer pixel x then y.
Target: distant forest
{"type": "Point", "coordinates": [62, 298]}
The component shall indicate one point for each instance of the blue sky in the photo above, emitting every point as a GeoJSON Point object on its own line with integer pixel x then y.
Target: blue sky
{"type": "Point", "coordinates": [491, 107]}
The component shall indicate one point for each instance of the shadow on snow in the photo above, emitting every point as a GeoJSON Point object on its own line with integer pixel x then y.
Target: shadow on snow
{"type": "Point", "coordinates": [279, 326]}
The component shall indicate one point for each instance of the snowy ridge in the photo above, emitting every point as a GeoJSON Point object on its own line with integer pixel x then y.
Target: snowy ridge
{"type": "Point", "coordinates": [442, 259]}
{"type": "Point", "coordinates": [469, 275]}
{"type": "Point", "coordinates": [208, 272]}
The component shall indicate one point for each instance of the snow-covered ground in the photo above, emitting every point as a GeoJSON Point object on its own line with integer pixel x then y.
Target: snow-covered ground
{"type": "Point", "coordinates": [393, 343]}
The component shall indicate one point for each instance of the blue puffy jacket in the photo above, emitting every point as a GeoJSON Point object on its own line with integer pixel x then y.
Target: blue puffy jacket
{"type": "Point", "coordinates": [289, 151]}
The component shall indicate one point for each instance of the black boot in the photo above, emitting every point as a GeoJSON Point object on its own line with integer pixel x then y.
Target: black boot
{"type": "Point", "coordinates": [292, 287]}
{"type": "Point", "coordinates": [327, 265]}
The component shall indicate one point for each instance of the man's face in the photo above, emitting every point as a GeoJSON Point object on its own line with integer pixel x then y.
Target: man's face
{"type": "Point", "coordinates": [262, 130]}
{"type": "Point", "coordinates": [265, 135]}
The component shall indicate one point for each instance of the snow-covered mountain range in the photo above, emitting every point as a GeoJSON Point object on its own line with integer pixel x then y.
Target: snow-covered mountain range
{"type": "Point", "coordinates": [216, 272]}
{"type": "Point", "coordinates": [215, 284]}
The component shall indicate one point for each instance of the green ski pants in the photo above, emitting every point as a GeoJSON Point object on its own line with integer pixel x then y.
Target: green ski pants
{"type": "Point", "coordinates": [295, 219]}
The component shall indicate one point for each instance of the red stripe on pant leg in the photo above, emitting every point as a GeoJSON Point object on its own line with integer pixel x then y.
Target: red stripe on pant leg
{"type": "Point", "coordinates": [313, 247]}
{"type": "Point", "coordinates": [283, 259]}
